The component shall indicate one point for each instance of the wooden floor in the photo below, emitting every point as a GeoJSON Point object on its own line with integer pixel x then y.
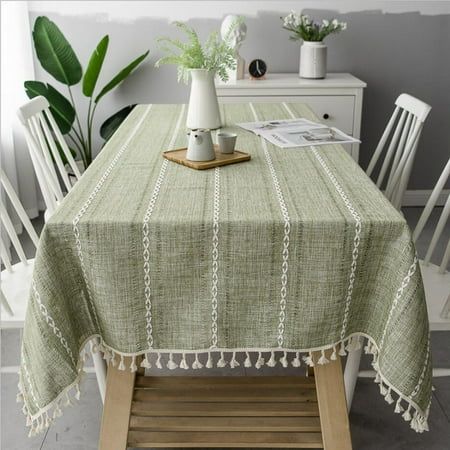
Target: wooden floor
{"type": "Point", "coordinates": [256, 412]}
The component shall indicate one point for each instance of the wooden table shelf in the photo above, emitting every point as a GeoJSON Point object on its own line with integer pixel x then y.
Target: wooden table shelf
{"type": "Point", "coordinates": [224, 411]}
{"type": "Point", "coordinates": [196, 411]}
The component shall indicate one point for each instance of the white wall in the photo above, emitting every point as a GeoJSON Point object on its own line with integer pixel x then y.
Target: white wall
{"type": "Point", "coordinates": [394, 46]}
{"type": "Point", "coordinates": [16, 66]}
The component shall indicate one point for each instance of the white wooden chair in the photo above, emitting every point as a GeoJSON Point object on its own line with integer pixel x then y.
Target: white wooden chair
{"type": "Point", "coordinates": [16, 278]}
{"type": "Point", "coordinates": [43, 138]}
{"type": "Point", "coordinates": [408, 119]}
{"type": "Point", "coordinates": [436, 278]}
{"type": "Point", "coordinates": [436, 281]}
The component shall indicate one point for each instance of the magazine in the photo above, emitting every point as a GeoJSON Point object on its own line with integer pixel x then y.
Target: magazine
{"type": "Point", "coordinates": [297, 133]}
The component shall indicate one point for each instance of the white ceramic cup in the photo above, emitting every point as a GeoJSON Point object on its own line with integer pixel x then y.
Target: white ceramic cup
{"type": "Point", "coordinates": [226, 141]}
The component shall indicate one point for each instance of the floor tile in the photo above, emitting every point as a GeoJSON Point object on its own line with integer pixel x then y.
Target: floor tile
{"type": "Point", "coordinates": [78, 428]}
{"type": "Point", "coordinates": [10, 347]}
{"type": "Point", "coordinates": [440, 347]}
{"type": "Point", "coordinates": [442, 394]}
{"type": "Point", "coordinates": [14, 433]}
{"type": "Point", "coordinates": [374, 425]}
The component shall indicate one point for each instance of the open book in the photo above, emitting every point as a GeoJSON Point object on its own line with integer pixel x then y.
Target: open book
{"type": "Point", "coordinates": [287, 133]}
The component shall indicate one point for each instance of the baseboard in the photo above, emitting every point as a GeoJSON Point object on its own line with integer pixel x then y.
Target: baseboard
{"type": "Point", "coordinates": [419, 197]}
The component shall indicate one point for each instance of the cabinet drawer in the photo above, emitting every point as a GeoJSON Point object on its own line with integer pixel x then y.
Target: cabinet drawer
{"type": "Point", "coordinates": [333, 110]}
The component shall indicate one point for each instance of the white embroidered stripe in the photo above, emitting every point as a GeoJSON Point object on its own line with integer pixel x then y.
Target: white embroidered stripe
{"type": "Point", "coordinates": [145, 233]}
{"type": "Point", "coordinates": [398, 296]}
{"type": "Point", "coordinates": [287, 230]}
{"type": "Point", "coordinates": [357, 237]}
{"type": "Point", "coordinates": [422, 374]}
{"type": "Point", "coordinates": [51, 322]}
{"type": "Point", "coordinates": [28, 378]}
{"type": "Point", "coordinates": [76, 220]}
{"type": "Point", "coordinates": [215, 256]}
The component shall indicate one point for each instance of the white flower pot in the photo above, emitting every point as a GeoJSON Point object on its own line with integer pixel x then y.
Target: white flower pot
{"type": "Point", "coordinates": [203, 109]}
{"type": "Point", "coordinates": [313, 60]}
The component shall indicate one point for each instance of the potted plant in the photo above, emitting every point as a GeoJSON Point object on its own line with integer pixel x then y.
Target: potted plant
{"type": "Point", "coordinates": [313, 52]}
{"type": "Point", "coordinates": [201, 63]}
{"type": "Point", "coordinates": [58, 58]}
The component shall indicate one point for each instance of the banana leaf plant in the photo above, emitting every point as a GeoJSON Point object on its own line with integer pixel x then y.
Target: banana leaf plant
{"type": "Point", "coordinates": [58, 58]}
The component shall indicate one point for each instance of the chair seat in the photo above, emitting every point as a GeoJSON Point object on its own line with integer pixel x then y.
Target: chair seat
{"type": "Point", "coordinates": [437, 292]}
{"type": "Point", "coordinates": [16, 288]}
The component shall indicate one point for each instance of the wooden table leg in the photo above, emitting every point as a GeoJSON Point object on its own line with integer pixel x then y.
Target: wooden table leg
{"type": "Point", "coordinates": [117, 407]}
{"type": "Point", "coordinates": [332, 404]}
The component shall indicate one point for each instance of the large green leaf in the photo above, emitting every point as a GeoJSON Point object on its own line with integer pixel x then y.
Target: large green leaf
{"type": "Point", "coordinates": [61, 109]}
{"type": "Point", "coordinates": [121, 76]}
{"type": "Point", "coordinates": [55, 53]}
{"type": "Point", "coordinates": [94, 67]}
{"type": "Point", "coordinates": [111, 124]}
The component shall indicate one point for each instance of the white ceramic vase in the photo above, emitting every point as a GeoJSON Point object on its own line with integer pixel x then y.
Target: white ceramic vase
{"type": "Point", "coordinates": [313, 60]}
{"type": "Point", "coordinates": [203, 111]}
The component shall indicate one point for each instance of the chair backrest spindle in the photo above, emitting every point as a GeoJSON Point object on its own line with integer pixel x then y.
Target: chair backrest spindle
{"type": "Point", "coordinates": [46, 145]}
{"type": "Point", "coordinates": [8, 225]}
{"type": "Point", "coordinates": [426, 213]}
{"type": "Point", "coordinates": [405, 127]}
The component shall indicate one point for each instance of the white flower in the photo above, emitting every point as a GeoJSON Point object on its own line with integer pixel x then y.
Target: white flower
{"type": "Point", "coordinates": [335, 23]}
{"type": "Point", "coordinates": [325, 22]}
{"type": "Point", "coordinates": [343, 26]}
{"type": "Point", "coordinates": [305, 20]}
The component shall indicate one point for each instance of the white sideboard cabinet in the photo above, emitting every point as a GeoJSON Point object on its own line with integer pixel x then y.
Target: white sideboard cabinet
{"type": "Point", "coordinates": [336, 100]}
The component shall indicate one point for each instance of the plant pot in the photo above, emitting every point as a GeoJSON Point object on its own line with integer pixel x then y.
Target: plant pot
{"type": "Point", "coordinates": [203, 111]}
{"type": "Point", "coordinates": [313, 60]}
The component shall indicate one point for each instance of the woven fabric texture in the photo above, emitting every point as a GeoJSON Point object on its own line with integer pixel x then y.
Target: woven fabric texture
{"type": "Point", "coordinates": [293, 251]}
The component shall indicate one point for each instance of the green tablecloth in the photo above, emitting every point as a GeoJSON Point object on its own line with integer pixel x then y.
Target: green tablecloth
{"type": "Point", "coordinates": [293, 251]}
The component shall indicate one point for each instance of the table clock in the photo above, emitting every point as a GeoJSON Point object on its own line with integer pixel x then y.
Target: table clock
{"type": "Point", "coordinates": [257, 69]}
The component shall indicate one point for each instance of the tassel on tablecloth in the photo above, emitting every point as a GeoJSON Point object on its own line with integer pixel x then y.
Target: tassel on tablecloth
{"type": "Point", "coordinates": [158, 361]}
{"type": "Point", "coordinates": [183, 363]}
{"type": "Point", "coordinates": [296, 361]}
{"type": "Point", "coordinates": [171, 364]}
{"type": "Point", "coordinates": [41, 421]}
{"type": "Point", "coordinates": [197, 364]}
{"type": "Point", "coordinates": [221, 362]}
{"type": "Point", "coordinates": [283, 360]}
{"type": "Point", "coordinates": [234, 363]}
{"type": "Point", "coordinates": [272, 362]}
{"type": "Point", "coordinates": [260, 361]}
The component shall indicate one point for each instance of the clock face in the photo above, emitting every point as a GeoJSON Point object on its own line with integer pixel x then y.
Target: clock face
{"type": "Point", "coordinates": [257, 68]}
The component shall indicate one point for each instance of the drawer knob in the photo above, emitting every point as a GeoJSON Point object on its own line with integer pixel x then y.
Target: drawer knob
{"type": "Point", "coordinates": [326, 116]}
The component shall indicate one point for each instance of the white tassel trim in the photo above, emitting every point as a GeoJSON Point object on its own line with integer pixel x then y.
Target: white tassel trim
{"type": "Point", "coordinates": [260, 361]}
{"type": "Point", "coordinates": [183, 363]}
{"type": "Point", "coordinates": [233, 362]}
{"type": "Point", "coordinates": [197, 364]}
{"type": "Point", "coordinates": [145, 363]}
{"type": "Point", "coordinates": [221, 362]}
{"type": "Point", "coordinates": [272, 362]}
{"type": "Point", "coordinates": [283, 360]}
{"type": "Point", "coordinates": [171, 364]}
{"type": "Point", "coordinates": [42, 420]}
{"type": "Point", "coordinates": [323, 359]}
{"type": "Point", "coordinates": [158, 361]}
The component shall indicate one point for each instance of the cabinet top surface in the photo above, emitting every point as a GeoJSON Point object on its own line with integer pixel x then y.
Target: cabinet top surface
{"type": "Point", "coordinates": [292, 80]}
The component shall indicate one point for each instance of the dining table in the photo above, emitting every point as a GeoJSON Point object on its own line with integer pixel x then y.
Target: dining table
{"type": "Point", "coordinates": [291, 259]}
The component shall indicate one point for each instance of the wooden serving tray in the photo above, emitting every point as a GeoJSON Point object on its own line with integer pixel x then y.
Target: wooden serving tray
{"type": "Point", "coordinates": [222, 159]}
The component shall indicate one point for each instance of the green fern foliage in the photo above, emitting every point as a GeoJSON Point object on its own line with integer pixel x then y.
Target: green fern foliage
{"type": "Point", "coordinates": [216, 55]}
